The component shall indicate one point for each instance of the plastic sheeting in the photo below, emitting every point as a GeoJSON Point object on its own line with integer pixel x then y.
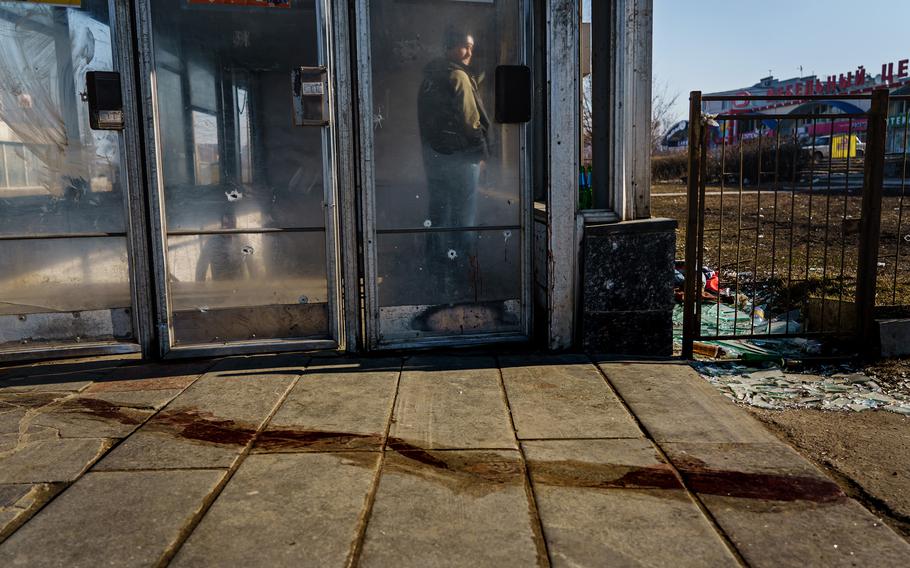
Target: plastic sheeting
{"type": "Point", "coordinates": [45, 52]}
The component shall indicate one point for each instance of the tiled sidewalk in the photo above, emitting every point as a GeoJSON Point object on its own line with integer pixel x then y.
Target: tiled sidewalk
{"type": "Point", "coordinates": [426, 461]}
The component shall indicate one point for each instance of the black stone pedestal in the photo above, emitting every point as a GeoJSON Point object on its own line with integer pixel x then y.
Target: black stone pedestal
{"type": "Point", "coordinates": [627, 287]}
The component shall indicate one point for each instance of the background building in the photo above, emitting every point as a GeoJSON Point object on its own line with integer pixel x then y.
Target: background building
{"type": "Point", "coordinates": [894, 75]}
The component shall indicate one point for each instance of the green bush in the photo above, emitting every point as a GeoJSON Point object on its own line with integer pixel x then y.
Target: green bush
{"type": "Point", "coordinates": [669, 167]}
{"type": "Point", "coordinates": [739, 160]}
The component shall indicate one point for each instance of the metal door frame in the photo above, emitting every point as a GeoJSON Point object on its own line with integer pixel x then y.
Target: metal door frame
{"type": "Point", "coordinates": [367, 212]}
{"type": "Point", "coordinates": [157, 220]}
{"type": "Point", "coordinates": [141, 314]}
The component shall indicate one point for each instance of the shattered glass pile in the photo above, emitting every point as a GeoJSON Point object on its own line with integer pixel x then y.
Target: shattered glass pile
{"type": "Point", "coordinates": [834, 388]}
{"type": "Point", "coordinates": [721, 319]}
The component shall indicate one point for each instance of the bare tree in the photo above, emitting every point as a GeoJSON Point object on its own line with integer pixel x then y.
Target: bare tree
{"type": "Point", "coordinates": [662, 117]}
{"type": "Point", "coordinates": [662, 113]}
{"type": "Point", "coordinates": [587, 121]}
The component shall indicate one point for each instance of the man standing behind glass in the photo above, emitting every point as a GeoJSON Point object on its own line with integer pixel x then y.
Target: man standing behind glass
{"type": "Point", "coordinates": [454, 134]}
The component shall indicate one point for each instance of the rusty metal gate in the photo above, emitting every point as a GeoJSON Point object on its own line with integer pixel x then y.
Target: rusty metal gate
{"type": "Point", "coordinates": [787, 210]}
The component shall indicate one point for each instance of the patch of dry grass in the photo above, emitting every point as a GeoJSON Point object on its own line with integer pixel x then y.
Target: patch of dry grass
{"type": "Point", "coordinates": [793, 243]}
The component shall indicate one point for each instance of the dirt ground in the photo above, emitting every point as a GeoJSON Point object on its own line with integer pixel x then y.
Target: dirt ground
{"type": "Point", "coordinates": [868, 452]}
{"type": "Point", "coordinates": [797, 240]}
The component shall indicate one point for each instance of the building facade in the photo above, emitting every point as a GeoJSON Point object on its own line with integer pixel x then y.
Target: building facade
{"type": "Point", "coordinates": [893, 75]}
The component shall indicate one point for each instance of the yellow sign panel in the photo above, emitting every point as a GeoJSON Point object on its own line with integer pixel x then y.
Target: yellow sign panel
{"type": "Point", "coordinates": [843, 146]}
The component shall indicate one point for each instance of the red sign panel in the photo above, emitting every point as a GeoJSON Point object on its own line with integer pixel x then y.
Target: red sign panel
{"type": "Point", "coordinates": [741, 103]}
{"type": "Point", "coordinates": [250, 3]}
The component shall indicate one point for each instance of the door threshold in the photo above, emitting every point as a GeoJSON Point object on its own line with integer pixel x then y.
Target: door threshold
{"type": "Point", "coordinates": [250, 348]}
{"type": "Point", "coordinates": [449, 341]}
{"type": "Point", "coordinates": [67, 350]}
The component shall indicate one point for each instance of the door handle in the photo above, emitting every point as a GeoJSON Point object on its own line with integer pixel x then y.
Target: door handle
{"type": "Point", "coordinates": [310, 87]}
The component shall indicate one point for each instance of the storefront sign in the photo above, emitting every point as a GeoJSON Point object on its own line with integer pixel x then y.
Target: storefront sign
{"type": "Point", "coordinates": [839, 127]}
{"type": "Point", "coordinates": [897, 120]}
{"type": "Point", "coordinates": [888, 72]}
{"type": "Point", "coordinates": [741, 103]}
{"type": "Point", "coordinates": [833, 84]}
{"type": "Point", "coordinates": [249, 3]}
{"type": "Point", "coordinates": [893, 73]}
{"type": "Point", "coordinates": [75, 3]}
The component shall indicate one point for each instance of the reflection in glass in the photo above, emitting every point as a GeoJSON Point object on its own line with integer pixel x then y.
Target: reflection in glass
{"type": "Point", "coordinates": [225, 110]}
{"type": "Point", "coordinates": [205, 148]}
{"type": "Point", "coordinates": [485, 269]}
{"type": "Point", "coordinates": [247, 269]}
{"type": "Point", "coordinates": [238, 170]}
{"type": "Point", "coordinates": [408, 45]}
{"type": "Point", "coordinates": [443, 170]}
{"type": "Point", "coordinates": [21, 168]}
{"type": "Point", "coordinates": [242, 102]}
{"type": "Point", "coordinates": [59, 176]}
{"type": "Point", "coordinates": [40, 275]}
{"type": "Point", "coordinates": [172, 126]}
{"type": "Point", "coordinates": [482, 283]}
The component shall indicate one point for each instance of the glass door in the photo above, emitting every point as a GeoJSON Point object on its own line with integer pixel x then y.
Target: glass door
{"type": "Point", "coordinates": [241, 107]}
{"type": "Point", "coordinates": [66, 273]}
{"type": "Point", "coordinates": [445, 203]}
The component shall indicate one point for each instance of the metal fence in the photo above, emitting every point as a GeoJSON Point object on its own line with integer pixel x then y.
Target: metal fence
{"type": "Point", "coordinates": [798, 216]}
{"type": "Point", "coordinates": [893, 290]}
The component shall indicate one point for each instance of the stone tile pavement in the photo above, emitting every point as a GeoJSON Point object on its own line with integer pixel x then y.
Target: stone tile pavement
{"type": "Point", "coordinates": [509, 460]}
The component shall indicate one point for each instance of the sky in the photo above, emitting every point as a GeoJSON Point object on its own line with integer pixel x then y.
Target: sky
{"type": "Point", "coordinates": [718, 45]}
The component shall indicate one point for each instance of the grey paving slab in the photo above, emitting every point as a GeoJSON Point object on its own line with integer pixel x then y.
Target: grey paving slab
{"type": "Point", "coordinates": [111, 519]}
{"type": "Point", "coordinates": [621, 527]}
{"type": "Point", "coordinates": [599, 464]}
{"type": "Point", "coordinates": [617, 503]}
{"type": "Point", "coordinates": [42, 415]}
{"type": "Point", "coordinates": [451, 402]}
{"type": "Point", "coordinates": [284, 363]}
{"type": "Point", "coordinates": [62, 376]}
{"type": "Point", "coordinates": [68, 382]}
{"type": "Point", "coordinates": [285, 510]}
{"type": "Point", "coordinates": [20, 410]}
{"type": "Point", "coordinates": [9, 521]}
{"type": "Point", "coordinates": [11, 418]}
{"type": "Point", "coordinates": [102, 414]}
{"type": "Point", "coordinates": [451, 508]}
{"type": "Point", "coordinates": [11, 494]}
{"type": "Point", "coordinates": [676, 405]}
{"type": "Point", "coordinates": [775, 458]}
{"type": "Point", "coordinates": [19, 502]}
{"type": "Point", "coordinates": [91, 418]}
{"type": "Point", "coordinates": [563, 397]}
{"type": "Point", "coordinates": [794, 533]}
{"type": "Point", "coordinates": [780, 510]}
{"type": "Point", "coordinates": [30, 400]}
{"type": "Point", "coordinates": [336, 405]}
{"type": "Point", "coordinates": [49, 460]}
{"type": "Point", "coordinates": [151, 376]}
{"type": "Point", "coordinates": [14, 441]}
{"type": "Point", "coordinates": [151, 399]}
{"type": "Point", "coordinates": [208, 425]}
{"type": "Point", "coordinates": [72, 364]}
